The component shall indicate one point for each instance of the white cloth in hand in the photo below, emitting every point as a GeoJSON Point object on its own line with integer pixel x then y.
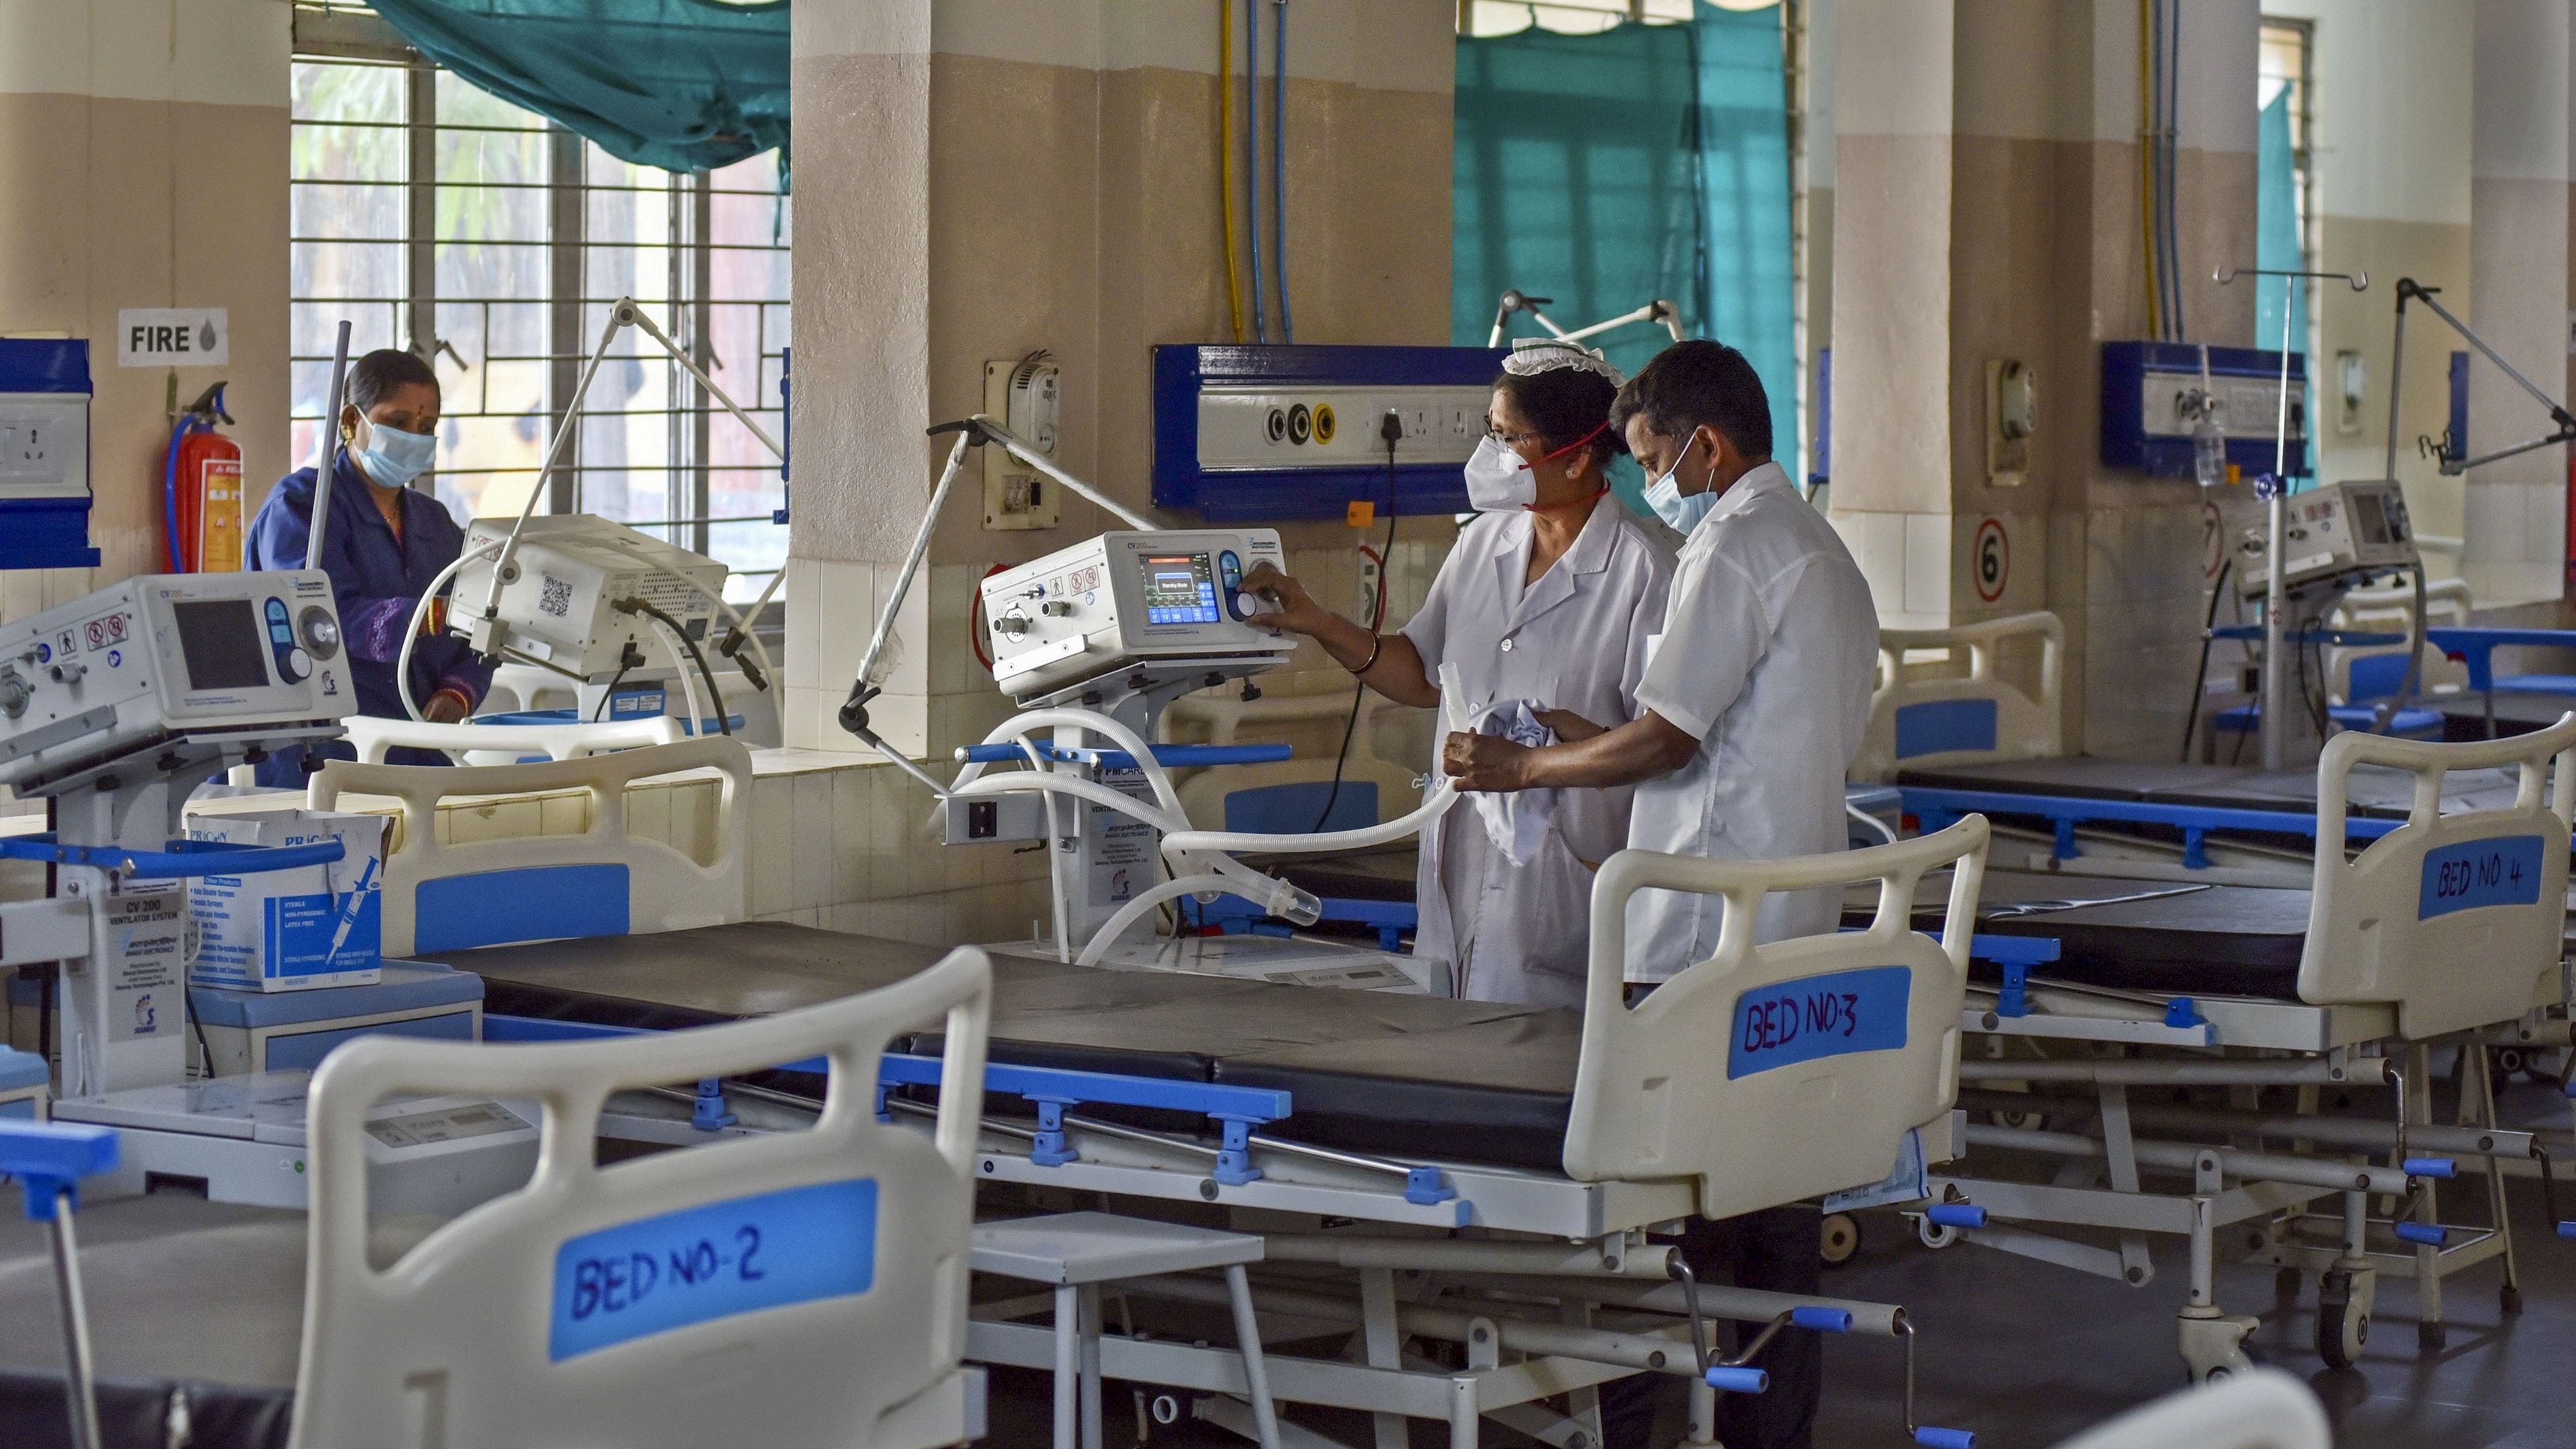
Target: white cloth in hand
{"type": "Point", "coordinates": [1516, 822]}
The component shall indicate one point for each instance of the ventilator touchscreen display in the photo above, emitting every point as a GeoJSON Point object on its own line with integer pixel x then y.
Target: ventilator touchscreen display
{"type": "Point", "coordinates": [1180, 588]}
{"type": "Point", "coordinates": [219, 640]}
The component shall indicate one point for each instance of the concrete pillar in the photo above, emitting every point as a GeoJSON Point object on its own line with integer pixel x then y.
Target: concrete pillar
{"type": "Point", "coordinates": [977, 179]}
{"type": "Point", "coordinates": [1986, 210]}
{"type": "Point", "coordinates": [143, 163]}
{"type": "Point", "coordinates": [2516, 509]}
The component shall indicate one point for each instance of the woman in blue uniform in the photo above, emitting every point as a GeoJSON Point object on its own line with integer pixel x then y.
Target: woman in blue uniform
{"type": "Point", "coordinates": [385, 544]}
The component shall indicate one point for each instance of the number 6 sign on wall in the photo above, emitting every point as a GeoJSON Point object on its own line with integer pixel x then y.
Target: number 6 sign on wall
{"type": "Point", "coordinates": [1990, 560]}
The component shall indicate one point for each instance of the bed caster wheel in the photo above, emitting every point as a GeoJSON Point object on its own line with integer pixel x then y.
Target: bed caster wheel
{"type": "Point", "coordinates": [1841, 1239]}
{"type": "Point", "coordinates": [2213, 1349]}
{"type": "Point", "coordinates": [2343, 1319]}
{"type": "Point", "coordinates": [2509, 1298]}
{"type": "Point", "coordinates": [2432, 1337]}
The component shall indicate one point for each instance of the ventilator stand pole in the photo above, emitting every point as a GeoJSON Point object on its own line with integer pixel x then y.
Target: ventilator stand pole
{"type": "Point", "coordinates": [320, 526]}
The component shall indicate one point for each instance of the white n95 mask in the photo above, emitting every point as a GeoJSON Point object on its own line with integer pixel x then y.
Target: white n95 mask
{"type": "Point", "coordinates": [1665, 496]}
{"type": "Point", "coordinates": [1497, 480]}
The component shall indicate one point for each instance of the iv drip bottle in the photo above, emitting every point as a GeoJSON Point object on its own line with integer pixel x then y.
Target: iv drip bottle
{"type": "Point", "coordinates": [2209, 447]}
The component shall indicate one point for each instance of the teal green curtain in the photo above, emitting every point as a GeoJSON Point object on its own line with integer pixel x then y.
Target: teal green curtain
{"type": "Point", "coordinates": [1605, 171]}
{"type": "Point", "coordinates": [2276, 247]}
{"type": "Point", "coordinates": [686, 85]}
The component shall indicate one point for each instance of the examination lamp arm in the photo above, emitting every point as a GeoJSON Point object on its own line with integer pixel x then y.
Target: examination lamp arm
{"type": "Point", "coordinates": [625, 312]}
{"type": "Point", "coordinates": [2410, 290]}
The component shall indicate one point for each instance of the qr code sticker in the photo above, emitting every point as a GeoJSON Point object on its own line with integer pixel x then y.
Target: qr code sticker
{"type": "Point", "coordinates": [554, 596]}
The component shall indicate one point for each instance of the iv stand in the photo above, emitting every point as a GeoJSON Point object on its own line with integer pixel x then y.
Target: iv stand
{"type": "Point", "coordinates": [2276, 514]}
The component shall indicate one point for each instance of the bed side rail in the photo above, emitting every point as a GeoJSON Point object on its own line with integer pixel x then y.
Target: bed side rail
{"type": "Point", "coordinates": [1771, 1073]}
{"type": "Point", "coordinates": [2453, 919]}
{"type": "Point", "coordinates": [601, 881]}
{"type": "Point", "coordinates": [813, 1283]}
{"type": "Point", "coordinates": [1963, 720]}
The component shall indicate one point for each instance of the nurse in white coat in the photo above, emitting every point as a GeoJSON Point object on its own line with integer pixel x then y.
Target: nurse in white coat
{"type": "Point", "coordinates": [1548, 597]}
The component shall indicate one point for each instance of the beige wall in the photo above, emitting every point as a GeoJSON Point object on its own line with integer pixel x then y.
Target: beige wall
{"type": "Point", "coordinates": [1985, 207]}
{"type": "Point", "coordinates": [129, 178]}
{"type": "Point", "coordinates": [979, 178]}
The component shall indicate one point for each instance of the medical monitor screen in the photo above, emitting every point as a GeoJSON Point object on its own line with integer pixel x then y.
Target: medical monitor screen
{"type": "Point", "coordinates": [1180, 589]}
{"type": "Point", "coordinates": [2370, 521]}
{"type": "Point", "coordinates": [219, 641]}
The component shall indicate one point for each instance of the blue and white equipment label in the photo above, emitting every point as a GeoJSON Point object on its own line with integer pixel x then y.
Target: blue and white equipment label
{"type": "Point", "coordinates": [1833, 1015]}
{"type": "Point", "coordinates": [2501, 871]}
{"type": "Point", "coordinates": [638, 1279]}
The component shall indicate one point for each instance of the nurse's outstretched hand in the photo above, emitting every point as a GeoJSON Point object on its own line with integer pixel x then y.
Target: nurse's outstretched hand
{"type": "Point", "coordinates": [1485, 762]}
{"type": "Point", "coordinates": [1297, 611]}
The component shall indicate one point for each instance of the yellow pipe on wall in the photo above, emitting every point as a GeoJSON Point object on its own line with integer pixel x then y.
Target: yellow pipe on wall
{"type": "Point", "coordinates": [1225, 159]}
{"type": "Point", "coordinates": [2147, 173]}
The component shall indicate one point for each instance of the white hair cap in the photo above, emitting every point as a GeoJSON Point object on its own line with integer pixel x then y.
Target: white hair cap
{"type": "Point", "coordinates": [1534, 355]}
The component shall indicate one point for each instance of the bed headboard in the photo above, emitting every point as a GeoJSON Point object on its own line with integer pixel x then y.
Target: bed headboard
{"type": "Point", "coordinates": [508, 744]}
{"type": "Point", "coordinates": [599, 882]}
{"type": "Point", "coordinates": [2456, 920]}
{"type": "Point", "coordinates": [808, 1285]}
{"type": "Point", "coordinates": [1963, 720]}
{"type": "Point", "coordinates": [1833, 1047]}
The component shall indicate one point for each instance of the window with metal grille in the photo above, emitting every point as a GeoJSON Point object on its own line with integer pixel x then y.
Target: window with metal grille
{"type": "Point", "coordinates": [437, 217]}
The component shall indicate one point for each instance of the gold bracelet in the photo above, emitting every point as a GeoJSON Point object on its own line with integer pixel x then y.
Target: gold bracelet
{"type": "Point", "coordinates": [1377, 646]}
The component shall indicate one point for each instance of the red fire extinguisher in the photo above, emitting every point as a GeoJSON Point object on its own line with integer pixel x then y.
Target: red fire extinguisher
{"type": "Point", "coordinates": [201, 490]}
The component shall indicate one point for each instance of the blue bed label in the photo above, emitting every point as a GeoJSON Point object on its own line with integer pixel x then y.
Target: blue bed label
{"type": "Point", "coordinates": [1834, 1015]}
{"type": "Point", "coordinates": [2501, 871]}
{"type": "Point", "coordinates": [703, 1263]}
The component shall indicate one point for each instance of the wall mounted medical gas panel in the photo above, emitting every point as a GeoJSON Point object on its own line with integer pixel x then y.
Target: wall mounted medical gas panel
{"type": "Point", "coordinates": [44, 454]}
{"type": "Point", "coordinates": [2147, 418]}
{"type": "Point", "coordinates": [1262, 434]}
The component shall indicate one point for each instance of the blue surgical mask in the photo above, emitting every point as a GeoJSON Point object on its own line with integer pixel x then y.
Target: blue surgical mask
{"type": "Point", "coordinates": [391, 456]}
{"type": "Point", "coordinates": [1665, 496]}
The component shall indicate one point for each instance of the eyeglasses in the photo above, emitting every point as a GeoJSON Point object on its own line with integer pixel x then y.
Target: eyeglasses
{"type": "Point", "coordinates": [1512, 440]}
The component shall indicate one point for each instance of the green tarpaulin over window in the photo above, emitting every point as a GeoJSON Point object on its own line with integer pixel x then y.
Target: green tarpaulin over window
{"type": "Point", "coordinates": [1606, 171]}
{"type": "Point", "coordinates": [686, 85]}
{"type": "Point", "coordinates": [2276, 248]}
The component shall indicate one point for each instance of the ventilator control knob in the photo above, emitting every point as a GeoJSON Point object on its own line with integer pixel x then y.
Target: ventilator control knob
{"type": "Point", "coordinates": [67, 671]}
{"type": "Point", "coordinates": [14, 694]}
{"type": "Point", "coordinates": [320, 631]}
{"type": "Point", "coordinates": [1011, 626]}
{"type": "Point", "coordinates": [1056, 608]}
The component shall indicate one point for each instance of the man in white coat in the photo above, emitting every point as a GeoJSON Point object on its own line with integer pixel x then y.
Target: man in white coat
{"type": "Point", "coordinates": [1755, 698]}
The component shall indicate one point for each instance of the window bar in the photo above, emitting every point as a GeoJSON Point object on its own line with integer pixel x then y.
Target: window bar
{"type": "Point", "coordinates": [701, 294]}
{"type": "Point", "coordinates": [567, 205]}
{"type": "Point", "coordinates": [420, 229]}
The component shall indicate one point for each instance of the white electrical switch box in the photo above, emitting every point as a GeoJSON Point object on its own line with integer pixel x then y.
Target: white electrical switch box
{"type": "Point", "coordinates": [1024, 397]}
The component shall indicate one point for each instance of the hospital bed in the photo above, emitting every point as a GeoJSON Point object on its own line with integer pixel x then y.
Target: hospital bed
{"type": "Point", "coordinates": [811, 1285]}
{"type": "Point", "coordinates": [597, 878]}
{"type": "Point", "coordinates": [2264, 1409]}
{"type": "Point", "coordinates": [1536, 1145]}
{"type": "Point", "coordinates": [2447, 929]}
{"type": "Point", "coordinates": [508, 744]}
{"type": "Point", "coordinates": [1946, 709]}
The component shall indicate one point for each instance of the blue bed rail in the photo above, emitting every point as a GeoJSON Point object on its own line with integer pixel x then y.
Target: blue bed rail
{"type": "Point", "coordinates": [1936, 808]}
